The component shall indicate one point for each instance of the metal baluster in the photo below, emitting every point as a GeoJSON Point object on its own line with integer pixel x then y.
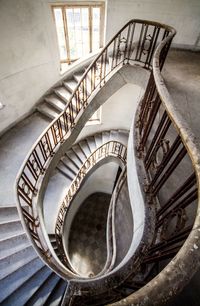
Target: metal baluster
{"type": "Point", "coordinates": [187, 200]}
{"type": "Point", "coordinates": [131, 42]}
{"type": "Point", "coordinates": [139, 43]}
{"type": "Point", "coordinates": [127, 42]}
{"type": "Point", "coordinates": [160, 133]}
{"type": "Point", "coordinates": [168, 172]}
{"type": "Point", "coordinates": [143, 41]}
{"type": "Point", "coordinates": [152, 115]}
{"type": "Point", "coordinates": [189, 183]}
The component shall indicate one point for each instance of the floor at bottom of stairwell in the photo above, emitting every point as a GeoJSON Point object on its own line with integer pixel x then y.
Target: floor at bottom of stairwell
{"type": "Point", "coordinates": [87, 238]}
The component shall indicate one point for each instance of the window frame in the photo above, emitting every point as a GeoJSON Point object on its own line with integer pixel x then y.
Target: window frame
{"type": "Point", "coordinates": [71, 5]}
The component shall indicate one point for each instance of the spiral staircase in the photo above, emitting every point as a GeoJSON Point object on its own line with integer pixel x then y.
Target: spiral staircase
{"type": "Point", "coordinates": [152, 223]}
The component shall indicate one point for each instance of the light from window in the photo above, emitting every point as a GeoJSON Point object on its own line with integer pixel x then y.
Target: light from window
{"type": "Point", "coordinates": [79, 29]}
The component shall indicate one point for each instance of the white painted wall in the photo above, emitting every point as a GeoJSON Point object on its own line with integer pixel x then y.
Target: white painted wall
{"type": "Point", "coordinates": [117, 111]}
{"type": "Point", "coordinates": [184, 15]}
{"type": "Point", "coordinates": [29, 61]}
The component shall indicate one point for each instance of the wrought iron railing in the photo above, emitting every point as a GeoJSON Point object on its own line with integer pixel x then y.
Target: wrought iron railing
{"type": "Point", "coordinates": [134, 43]}
{"type": "Point", "coordinates": [108, 149]}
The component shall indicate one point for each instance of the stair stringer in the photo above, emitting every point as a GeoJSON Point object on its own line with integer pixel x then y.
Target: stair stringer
{"type": "Point", "coordinates": [113, 84]}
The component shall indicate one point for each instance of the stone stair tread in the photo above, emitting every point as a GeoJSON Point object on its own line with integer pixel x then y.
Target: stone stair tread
{"type": "Point", "coordinates": [64, 170]}
{"type": "Point", "coordinates": [16, 279]}
{"type": "Point", "coordinates": [85, 148]}
{"type": "Point", "coordinates": [74, 159]}
{"type": "Point", "coordinates": [105, 136]}
{"type": "Point", "coordinates": [15, 244]}
{"type": "Point", "coordinates": [7, 213]}
{"type": "Point", "coordinates": [10, 220]}
{"type": "Point", "coordinates": [63, 93]}
{"type": "Point", "coordinates": [70, 165]}
{"type": "Point", "coordinates": [71, 85]}
{"type": "Point", "coordinates": [78, 75]}
{"type": "Point", "coordinates": [43, 290]}
{"type": "Point", "coordinates": [114, 135]}
{"type": "Point", "coordinates": [10, 229]}
{"type": "Point", "coordinates": [27, 289]}
{"type": "Point", "coordinates": [56, 294]}
{"type": "Point", "coordinates": [79, 153]}
{"type": "Point", "coordinates": [47, 111]}
{"type": "Point", "coordinates": [91, 143]}
{"type": "Point", "coordinates": [98, 139]}
{"type": "Point", "coordinates": [16, 261]}
{"type": "Point", "coordinates": [57, 103]}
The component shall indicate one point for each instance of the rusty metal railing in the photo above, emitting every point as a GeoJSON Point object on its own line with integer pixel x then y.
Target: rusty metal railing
{"type": "Point", "coordinates": [135, 43]}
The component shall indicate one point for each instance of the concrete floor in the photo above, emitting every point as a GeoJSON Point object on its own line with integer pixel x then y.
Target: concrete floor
{"type": "Point", "coordinates": [182, 76]}
{"type": "Point", "coordinates": [87, 237]}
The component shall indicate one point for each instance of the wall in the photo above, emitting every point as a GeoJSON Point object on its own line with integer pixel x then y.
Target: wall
{"type": "Point", "coordinates": [28, 56]}
{"type": "Point", "coordinates": [117, 111]}
{"type": "Point", "coordinates": [184, 15]}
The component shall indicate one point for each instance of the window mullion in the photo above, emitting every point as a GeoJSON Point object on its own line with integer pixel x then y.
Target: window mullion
{"type": "Point", "coordinates": [66, 33]}
{"type": "Point", "coordinates": [101, 34]}
{"type": "Point", "coordinates": [90, 28]}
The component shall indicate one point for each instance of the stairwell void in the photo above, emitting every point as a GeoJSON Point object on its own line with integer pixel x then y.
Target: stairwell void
{"type": "Point", "coordinates": [162, 201]}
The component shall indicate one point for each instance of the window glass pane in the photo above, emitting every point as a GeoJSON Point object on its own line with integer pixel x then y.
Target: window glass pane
{"type": "Point", "coordinates": [95, 28]}
{"type": "Point", "coordinates": [60, 33]}
{"type": "Point", "coordinates": [78, 31]}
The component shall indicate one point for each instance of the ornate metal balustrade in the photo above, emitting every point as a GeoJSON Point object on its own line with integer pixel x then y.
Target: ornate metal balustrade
{"type": "Point", "coordinates": [108, 149]}
{"type": "Point", "coordinates": [134, 43]}
{"type": "Point", "coordinates": [171, 180]}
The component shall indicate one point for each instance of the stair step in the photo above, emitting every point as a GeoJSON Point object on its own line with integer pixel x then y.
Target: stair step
{"type": "Point", "coordinates": [114, 135]}
{"type": "Point", "coordinates": [12, 245]}
{"type": "Point", "coordinates": [55, 102]}
{"type": "Point", "coordinates": [64, 171]}
{"type": "Point", "coordinates": [123, 137]}
{"type": "Point", "coordinates": [105, 137]}
{"type": "Point", "coordinates": [85, 148]}
{"type": "Point", "coordinates": [98, 139]}
{"type": "Point", "coordinates": [23, 293]}
{"type": "Point", "coordinates": [69, 165]}
{"type": "Point", "coordinates": [79, 153]}
{"type": "Point", "coordinates": [16, 279]}
{"type": "Point", "coordinates": [10, 229]}
{"type": "Point", "coordinates": [8, 213]}
{"type": "Point", "coordinates": [91, 143]}
{"type": "Point", "coordinates": [57, 293]}
{"type": "Point", "coordinates": [78, 75]}
{"type": "Point", "coordinates": [47, 111]}
{"type": "Point", "coordinates": [74, 159]}
{"type": "Point", "coordinates": [70, 85]}
{"type": "Point", "coordinates": [63, 93]}
{"type": "Point", "coordinates": [43, 291]}
{"type": "Point", "coordinates": [15, 261]}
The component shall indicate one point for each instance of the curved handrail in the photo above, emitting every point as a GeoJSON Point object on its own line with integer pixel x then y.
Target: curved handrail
{"type": "Point", "coordinates": [135, 42]}
{"type": "Point", "coordinates": [109, 149]}
{"type": "Point", "coordinates": [184, 258]}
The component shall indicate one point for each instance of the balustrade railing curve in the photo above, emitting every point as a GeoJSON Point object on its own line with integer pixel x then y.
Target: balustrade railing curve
{"type": "Point", "coordinates": [109, 149]}
{"type": "Point", "coordinates": [134, 43]}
